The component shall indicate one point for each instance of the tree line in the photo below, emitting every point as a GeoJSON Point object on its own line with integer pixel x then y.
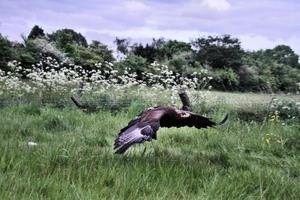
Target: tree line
{"type": "Point", "coordinates": [222, 57]}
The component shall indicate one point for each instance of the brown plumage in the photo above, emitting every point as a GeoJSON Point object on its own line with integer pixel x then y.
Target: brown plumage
{"type": "Point", "coordinates": [146, 124]}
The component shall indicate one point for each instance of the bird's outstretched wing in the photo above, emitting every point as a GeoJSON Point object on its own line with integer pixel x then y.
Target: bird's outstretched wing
{"type": "Point", "coordinates": [131, 136]}
{"type": "Point", "coordinates": [192, 120]}
{"type": "Point", "coordinates": [136, 120]}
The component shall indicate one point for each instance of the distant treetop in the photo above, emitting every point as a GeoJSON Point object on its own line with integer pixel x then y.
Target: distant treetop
{"type": "Point", "coordinates": [36, 32]}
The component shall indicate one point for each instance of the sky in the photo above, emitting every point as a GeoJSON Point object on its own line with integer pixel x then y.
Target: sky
{"type": "Point", "coordinates": [259, 24]}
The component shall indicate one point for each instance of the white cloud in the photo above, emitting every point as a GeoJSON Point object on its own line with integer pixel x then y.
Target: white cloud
{"type": "Point", "coordinates": [146, 32]}
{"type": "Point", "coordinates": [135, 6]}
{"type": "Point", "coordinates": [258, 24]}
{"type": "Point", "coordinates": [220, 5]}
{"type": "Point", "coordinates": [257, 42]}
{"type": "Point", "coordinates": [249, 42]}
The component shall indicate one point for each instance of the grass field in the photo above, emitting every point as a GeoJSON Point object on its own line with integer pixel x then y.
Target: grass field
{"type": "Point", "coordinates": [73, 158]}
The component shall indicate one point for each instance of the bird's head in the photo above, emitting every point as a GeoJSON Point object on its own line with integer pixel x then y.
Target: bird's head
{"type": "Point", "coordinates": [182, 114]}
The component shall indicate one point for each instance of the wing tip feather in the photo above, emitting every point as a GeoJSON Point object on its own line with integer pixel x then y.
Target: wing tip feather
{"type": "Point", "coordinates": [224, 121]}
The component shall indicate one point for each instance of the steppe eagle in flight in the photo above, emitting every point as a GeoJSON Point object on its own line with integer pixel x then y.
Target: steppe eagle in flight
{"type": "Point", "coordinates": [146, 124]}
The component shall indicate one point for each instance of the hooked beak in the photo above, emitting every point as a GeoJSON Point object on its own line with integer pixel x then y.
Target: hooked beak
{"type": "Point", "coordinates": [183, 114]}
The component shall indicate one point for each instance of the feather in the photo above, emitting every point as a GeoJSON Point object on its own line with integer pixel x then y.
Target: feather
{"type": "Point", "coordinates": [193, 120]}
{"type": "Point", "coordinates": [146, 124]}
{"type": "Point", "coordinates": [132, 136]}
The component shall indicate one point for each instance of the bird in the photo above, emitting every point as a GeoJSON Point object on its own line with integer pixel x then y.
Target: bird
{"type": "Point", "coordinates": [145, 126]}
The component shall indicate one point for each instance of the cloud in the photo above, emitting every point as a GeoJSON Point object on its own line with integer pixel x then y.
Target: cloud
{"type": "Point", "coordinates": [257, 42]}
{"type": "Point", "coordinates": [219, 5]}
{"type": "Point", "coordinates": [146, 32]}
{"type": "Point", "coordinates": [258, 23]}
{"type": "Point", "coordinates": [248, 41]}
{"type": "Point", "coordinates": [135, 6]}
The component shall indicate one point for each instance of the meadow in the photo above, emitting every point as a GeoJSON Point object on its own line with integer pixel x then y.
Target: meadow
{"type": "Point", "coordinates": [73, 158]}
{"type": "Point", "coordinates": [51, 149]}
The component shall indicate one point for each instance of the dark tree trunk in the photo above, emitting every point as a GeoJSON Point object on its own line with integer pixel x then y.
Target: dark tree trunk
{"type": "Point", "coordinates": [186, 103]}
{"type": "Point", "coordinates": [82, 107]}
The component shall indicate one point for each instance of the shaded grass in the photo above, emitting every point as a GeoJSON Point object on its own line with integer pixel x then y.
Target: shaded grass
{"type": "Point", "coordinates": [74, 158]}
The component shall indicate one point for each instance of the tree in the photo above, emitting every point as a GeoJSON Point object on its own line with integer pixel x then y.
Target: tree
{"type": "Point", "coordinates": [28, 53]}
{"type": "Point", "coordinates": [160, 50]}
{"type": "Point", "coordinates": [283, 54]}
{"type": "Point", "coordinates": [83, 56]}
{"type": "Point", "coordinates": [47, 48]}
{"type": "Point", "coordinates": [65, 37]}
{"type": "Point", "coordinates": [122, 45]}
{"type": "Point", "coordinates": [133, 63]}
{"type": "Point", "coordinates": [181, 62]}
{"type": "Point", "coordinates": [225, 79]}
{"type": "Point", "coordinates": [218, 52]}
{"type": "Point", "coordinates": [276, 68]}
{"type": "Point", "coordinates": [88, 57]}
{"type": "Point", "coordinates": [172, 47]}
{"type": "Point", "coordinates": [6, 52]}
{"type": "Point", "coordinates": [102, 51]}
{"type": "Point", "coordinates": [36, 32]}
{"type": "Point", "coordinates": [148, 52]}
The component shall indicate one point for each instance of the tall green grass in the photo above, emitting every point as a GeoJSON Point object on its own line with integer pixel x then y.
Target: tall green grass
{"type": "Point", "coordinates": [74, 158]}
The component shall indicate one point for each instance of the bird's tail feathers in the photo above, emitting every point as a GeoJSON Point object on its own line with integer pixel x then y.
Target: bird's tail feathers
{"type": "Point", "coordinates": [122, 149]}
{"type": "Point", "coordinates": [126, 140]}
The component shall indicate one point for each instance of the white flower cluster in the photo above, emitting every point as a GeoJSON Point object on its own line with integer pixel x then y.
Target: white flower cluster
{"type": "Point", "coordinates": [50, 75]}
{"type": "Point", "coordinates": [290, 108]}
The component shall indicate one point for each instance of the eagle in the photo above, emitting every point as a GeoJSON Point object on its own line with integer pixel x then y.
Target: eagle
{"type": "Point", "coordinates": [146, 124]}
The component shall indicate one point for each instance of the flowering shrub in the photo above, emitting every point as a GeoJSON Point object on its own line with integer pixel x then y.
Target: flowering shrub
{"type": "Point", "coordinates": [285, 109]}
{"type": "Point", "coordinates": [50, 76]}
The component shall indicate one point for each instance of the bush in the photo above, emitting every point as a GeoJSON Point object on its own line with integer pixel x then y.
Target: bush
{"type": "Point", "coordinates": [133, 63]}
{"type": "Point", "coordinates": [225, 79]}
{"type": "Point", "coordinates": [83, 56]}
{"type": "Point", "coordinates": [218, 52]}
{"type": "Point", "coordinates": [6, 52]}
{"type": "Point", "coordinates": [65, 37]}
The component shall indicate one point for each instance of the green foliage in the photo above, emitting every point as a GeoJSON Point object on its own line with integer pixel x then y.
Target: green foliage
{"type": "Point", "coordinates": [147, 52]}
{"type": "Point", "coordinates": [218, 52]}
{"type": "Point", "coordinates": [27, 53]}
{"type": "Point", "coordinates": [286, 77]}
{"type": "Point", "coordinates": [36, 32]}
{"type": "Point", "coordinates": [74, 158]}
{"type": "Point", "coordinates": [253, 78]}
{"type": "Point", "coordinates": [6, 52]}
{"type": "Point", "coordinates": [181, 63]}
{"type": "Point", "coordinates": [122, 45]}
{"type": "Point", "coordinates": [274, 70]}
{"type": "Point", "coordinates": [83, 56]}
{"type": "Point", "coordinates": [287, 109]}
{"type": "Point", "coordinates": [101, 50]}
{"type": "Point", "coordinates": [65, 37]}
{"type": "Point", "coordinates": [48, 49]}
{"type": "Point", "coordinates": [88, 57]}
{"type": "Point", "coordinates": [78, 50]}
{"type": "Point", "coordinates": [166, 50]}
{"type": "Point", "coordinates": [178, 63]}
{"type": "Point", "coordinates": [283, 54]}
{"type": "Point", "coordinates": [225, 78]}
{"type": "Point", "coordinates": [270, 70]}
{"type": "Point", "coordinates": [159, 50]}
{"type": "Point", "coordinates": [248, 78]}
{"type": "Point", "coordinates": [133, 63]}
